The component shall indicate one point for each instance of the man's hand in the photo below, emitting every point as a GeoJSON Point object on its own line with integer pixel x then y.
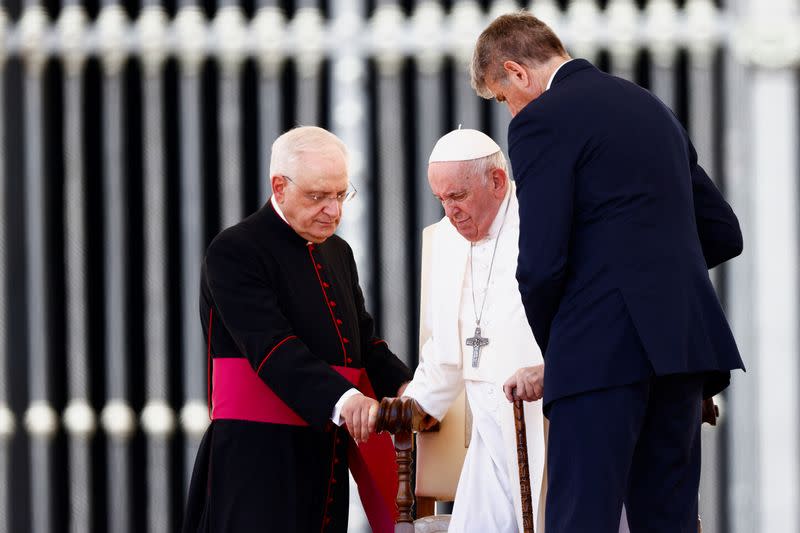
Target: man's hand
{"type": "Point", "coordinates": [526, 384]}
{"type": "Point", "coordinates": [710, 411]}
{"type": "Point", "coordinates": [360, 413]}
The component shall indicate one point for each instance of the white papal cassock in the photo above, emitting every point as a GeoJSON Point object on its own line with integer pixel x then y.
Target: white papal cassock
{"type": "Point", "coordinates": [488, 495]}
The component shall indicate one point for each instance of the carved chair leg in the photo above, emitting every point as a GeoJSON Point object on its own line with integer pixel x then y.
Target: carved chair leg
{"type": "Point", "coordinates": [404, 446]}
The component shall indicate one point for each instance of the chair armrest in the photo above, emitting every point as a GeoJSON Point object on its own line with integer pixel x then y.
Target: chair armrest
{"type": "Point", "coordinates": [399, 415]}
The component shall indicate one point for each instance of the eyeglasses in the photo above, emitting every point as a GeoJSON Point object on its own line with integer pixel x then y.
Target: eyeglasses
{"type": "Point", "coordinates": [318, 197]}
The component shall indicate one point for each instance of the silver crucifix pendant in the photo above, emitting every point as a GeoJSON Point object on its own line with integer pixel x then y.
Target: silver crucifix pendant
{"type": "Point", "coordinates": [477, 342]}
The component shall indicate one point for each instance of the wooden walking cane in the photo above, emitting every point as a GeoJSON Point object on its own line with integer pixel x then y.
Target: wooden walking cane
{"type": "Point", "coordinates": [524, 472]}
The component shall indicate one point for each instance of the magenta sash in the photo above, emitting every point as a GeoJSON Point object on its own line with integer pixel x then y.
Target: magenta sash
{"type": "Point", "coordinates": [239, 394]}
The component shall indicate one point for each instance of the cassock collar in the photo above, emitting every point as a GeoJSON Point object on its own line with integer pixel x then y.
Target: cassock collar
{"type": "Point", "coordinates": [276, 206]}
{"type": "Point", "coordinates": [502, 213]}
{"type": "Point", "coordinates": [569, 68]}
{"type": "Point", "coordinates": [278, 219]}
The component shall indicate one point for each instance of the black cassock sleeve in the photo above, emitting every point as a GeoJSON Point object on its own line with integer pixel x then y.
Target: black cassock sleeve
{"type": "Point", "coordinates": [385, 370]}
{"type": "Point", "coordinates": [242, 294]}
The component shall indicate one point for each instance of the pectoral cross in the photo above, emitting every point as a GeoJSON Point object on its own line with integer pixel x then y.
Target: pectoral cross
{"type": "Point", "coordinates": [477, 342]}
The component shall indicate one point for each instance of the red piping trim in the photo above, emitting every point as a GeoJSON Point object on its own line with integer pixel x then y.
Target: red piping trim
{"type": "Point", "coordinates": [330, 479]}
{"type": "Point", "coordinates": [208, 362]}
{"type": "Point", "coordinates": [379, 341]}
{"type": "Point", "coordinates": [290, 337]}
{"type": "Point", "coordinates": [327, 302]}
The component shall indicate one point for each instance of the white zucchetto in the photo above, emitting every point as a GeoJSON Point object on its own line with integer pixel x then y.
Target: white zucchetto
{"type": "Point", "coordinates": [463, 145]}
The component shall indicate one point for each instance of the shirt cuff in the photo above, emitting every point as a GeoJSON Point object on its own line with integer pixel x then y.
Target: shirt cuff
{"type": "Point", "coordinates": [336, 417]}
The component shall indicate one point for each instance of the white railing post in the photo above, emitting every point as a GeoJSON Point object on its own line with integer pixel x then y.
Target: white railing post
{"type": "Point", "coordinates": [79, 417]}
{"type": "Point", "coordinates": [190, 27]}
{"type": "Point", "coordinates": [41, 420]}
{"type": "Point", "coordinates": [764, 292]}
{"type": "Point", "coordinates": [230, 31]}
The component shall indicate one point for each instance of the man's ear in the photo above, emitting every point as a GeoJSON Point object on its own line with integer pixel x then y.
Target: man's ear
{"type": "Point", "coordinates": [517, 73]}
{"type": "Point", "coordinates": [499, 182]}
{"type": "Point", "coordinates": [278, 187]}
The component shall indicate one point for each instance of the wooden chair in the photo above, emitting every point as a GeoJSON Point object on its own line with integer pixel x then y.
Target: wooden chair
{"type": "Point", "coordinates": [440, 460]}
{"type": "Point", "coordinates": [407, 421]}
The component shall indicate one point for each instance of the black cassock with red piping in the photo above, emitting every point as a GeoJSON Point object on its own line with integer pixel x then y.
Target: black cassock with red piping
{"type": "Point", "coordinates": [291, 309]}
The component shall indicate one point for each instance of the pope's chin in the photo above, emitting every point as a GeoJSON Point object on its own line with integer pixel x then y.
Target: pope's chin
{"type": "Point", "coordinates": [465, 229]}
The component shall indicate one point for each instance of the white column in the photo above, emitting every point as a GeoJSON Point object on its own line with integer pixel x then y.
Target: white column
{"type": "Point", "coordinates": [190, 27]}
{"type": "Point", "coordinates": [661, 26]}
{"type": "Point", "coordinates": [427, 23]}
{"type": "Point", "coordinates": [157, 417]}
{"type": "Point", "coordinates": [765, 449]}
{"type": "Point", "coordinates": [308, 31]}
{"type": "Point", "coordinates": [268, 31]}
{"type": "Point", "coordinates": [79, 417]}
{"type": "Point", "coordinates": [623, 20]}
{"type": "Point", "coordinates": [393, 175]}
{"type": "Point", "coordinates": [117, 417]}
{"type": "Point", "coordinates": [40, 418]}
{"type": "Point", "coordinates": [775, 248]}
{"type": "Point", "coordinates": [349, 110]}
{"type": "Point", "coordinates": [466, 24]}
{"type": "Point", "coordinates": [229, 29]}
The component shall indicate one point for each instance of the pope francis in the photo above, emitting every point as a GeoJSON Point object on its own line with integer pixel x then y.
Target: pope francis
{"type": "Point", "coordinates": [474, 333]}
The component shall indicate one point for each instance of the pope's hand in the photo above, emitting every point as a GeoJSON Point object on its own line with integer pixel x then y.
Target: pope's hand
{"type": "Point", "coordinates": [526, 384]}
{"type": "Point", "coordinates": [360, 413]}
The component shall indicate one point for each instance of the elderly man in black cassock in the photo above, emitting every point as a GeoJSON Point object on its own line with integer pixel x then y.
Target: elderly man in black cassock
{"type": "Point", "coordinates": [293, 357]}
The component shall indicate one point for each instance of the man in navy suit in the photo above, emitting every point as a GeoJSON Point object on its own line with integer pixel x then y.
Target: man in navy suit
{"type": "Point", "coordinates": [618, 228]}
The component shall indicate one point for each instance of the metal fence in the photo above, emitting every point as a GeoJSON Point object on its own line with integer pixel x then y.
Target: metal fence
{"type": "Point", "coordinates": [130, 134]}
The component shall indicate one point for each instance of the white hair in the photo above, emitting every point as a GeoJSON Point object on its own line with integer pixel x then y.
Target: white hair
{"type": "Point", "coordinates": [289, 148]}
{"type": "Point", "coordinates": [483, 166]}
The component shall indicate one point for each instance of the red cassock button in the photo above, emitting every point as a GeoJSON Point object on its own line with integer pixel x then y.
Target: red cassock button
{"type": "Point", "coordinates": [319, 266]}
{"type": "Point", "coordinates": [349, 359]}
{"type": "Point", "coordinates": [345, 340]}
{"type": "Point", "coordinates": [332, 303]}
{"type": "Point", "coordinates": [325, 284]}
{"type": "Point", "coordinates": [339, 321]}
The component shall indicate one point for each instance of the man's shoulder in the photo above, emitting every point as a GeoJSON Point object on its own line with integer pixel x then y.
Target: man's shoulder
{"type": "Point", "coordinates": [246, 240]}
{"type": "Point", "coordinates": [338, 244]}
{"type": "Point", "coordinates": [236, 236]}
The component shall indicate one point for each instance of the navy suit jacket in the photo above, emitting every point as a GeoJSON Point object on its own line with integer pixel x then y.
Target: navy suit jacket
{"type": "Point", "coordinates": [618, 228]}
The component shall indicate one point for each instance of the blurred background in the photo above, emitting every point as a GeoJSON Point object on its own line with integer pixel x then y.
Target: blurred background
{"type": "Point", "coordinates": [132, 132]}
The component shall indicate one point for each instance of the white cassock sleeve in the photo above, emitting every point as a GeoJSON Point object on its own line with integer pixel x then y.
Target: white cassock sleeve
{"type": "Point", "coordinates": [435, 386]}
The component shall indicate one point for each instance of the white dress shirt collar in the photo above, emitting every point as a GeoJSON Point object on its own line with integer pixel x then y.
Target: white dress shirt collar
{"type": "Point", "coordinates": [549, 83]}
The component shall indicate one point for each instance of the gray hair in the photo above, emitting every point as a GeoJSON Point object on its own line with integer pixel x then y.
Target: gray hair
{"type": "Point", "coordinates": [518, 37]}
{"type": "Point", "coordinates": [483, 166]}
{"type": "Point", "coordinates": [289, 148]}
